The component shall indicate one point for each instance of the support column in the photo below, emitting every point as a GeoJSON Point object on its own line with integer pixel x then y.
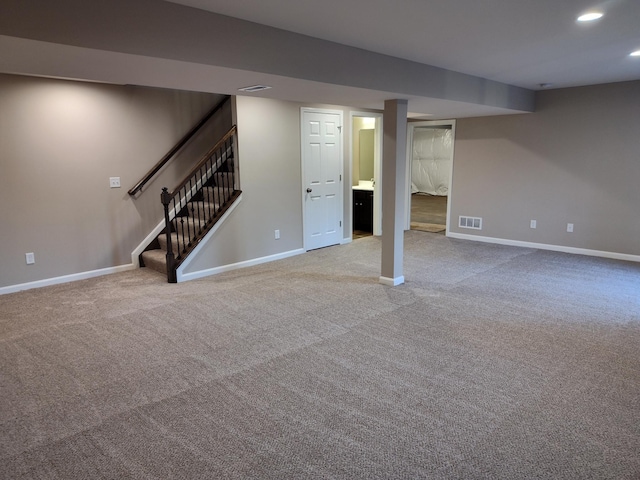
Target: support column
{"type": "Point", "coordinates": [394, 191]}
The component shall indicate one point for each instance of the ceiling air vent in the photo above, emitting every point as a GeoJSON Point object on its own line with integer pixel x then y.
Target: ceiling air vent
{"type": "Point", "coordinates": [254, 88]}
{"type": "Point", "coordinates": [470, 222]}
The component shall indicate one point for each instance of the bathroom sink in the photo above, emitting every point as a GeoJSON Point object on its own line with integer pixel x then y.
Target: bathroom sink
{"type": "Point", "coordinates": [364, 185]}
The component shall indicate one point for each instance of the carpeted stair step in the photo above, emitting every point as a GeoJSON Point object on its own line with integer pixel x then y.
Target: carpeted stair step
{"type": "Point", "coordinates": [223, 179]}
{"type": "Point", "coordinates": [156, 260]}
{"type": "Point", "coordinates": [162, 239]}
{"type": "Point", "coordinates": [187, 226]}
{"type": "Point", "coordinates": [204, 210]}
{"type": "Point", "coordinates": [217, 194]}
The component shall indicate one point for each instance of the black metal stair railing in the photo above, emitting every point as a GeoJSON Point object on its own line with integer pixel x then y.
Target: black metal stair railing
{"type": "Point", "coordinates": [194, 206]}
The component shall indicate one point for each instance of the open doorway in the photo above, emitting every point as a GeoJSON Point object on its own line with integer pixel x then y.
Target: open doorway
{"type": "Point", "coordinates": [430, 166]}
{"type": "Point", "coordinates": [366, 185]}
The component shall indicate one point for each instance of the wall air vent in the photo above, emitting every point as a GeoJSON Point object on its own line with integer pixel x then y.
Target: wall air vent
{"type": "Point", "coordinates": [254, 88]}
{"type": "Point", "coordinates": [470, 222]}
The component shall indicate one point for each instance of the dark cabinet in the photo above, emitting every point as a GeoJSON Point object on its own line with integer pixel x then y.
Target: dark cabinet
{"type": "Point", "coordinates": [363, 210]}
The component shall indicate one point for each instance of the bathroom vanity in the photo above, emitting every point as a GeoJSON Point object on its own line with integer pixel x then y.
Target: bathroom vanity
{"type": "Point", "coordinates": [363, 206]}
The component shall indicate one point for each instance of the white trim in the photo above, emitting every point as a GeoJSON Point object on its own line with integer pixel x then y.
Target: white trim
{"type": "Point", "coordinates": [377, 176]}
{"type": "Point", "coordinates": [66, 278]}
{"type": "Point", "coordinates": [135, 255]}
{"type": "Point", "coordinates": [377, 170]}
{"type": "Point", "coordinates": [392, 282]}
{"type": "Point", "coordinates": [346, 240]}
{"type": "Point", "coordinates": [546, 246]}
{"type": "Point", "coordinates": [340, 114]}
{"type": "Point", "coordinates": [411, 127]}
{"type": "Point", "coordinates": [180, 276]}
{"type": "Point", "coordinates": [235, 266]}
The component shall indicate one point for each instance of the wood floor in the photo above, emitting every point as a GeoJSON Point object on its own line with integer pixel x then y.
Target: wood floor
{"type": "Point", "coordinates": [359, 234]}
{"type": "Point", "coordinates": [428, 213]}
{"type": "Point", "coordinates": [428, 209]}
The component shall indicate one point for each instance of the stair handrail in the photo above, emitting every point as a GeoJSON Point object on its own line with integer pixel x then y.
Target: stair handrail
{"type": "Point", "coordinates": [232, 131]}
{"type": "Point", "coordinates": [181, 143]}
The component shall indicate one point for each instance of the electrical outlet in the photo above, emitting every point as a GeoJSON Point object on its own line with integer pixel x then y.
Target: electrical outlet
{"type": "Point", "coordinates": [533, 224]}
{"type": "Point", "coordinates": [30, 257]}
{"type": "Point", "coordinates": [569, 227]}
{"type": "Point", "coordinates": [277, 234]}
{"type": "Point", "coordinates": [114, 182]}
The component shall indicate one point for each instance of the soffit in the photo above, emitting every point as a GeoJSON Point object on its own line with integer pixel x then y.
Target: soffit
{"type": "Point", "coordinates": [518, 42]}
{"type": "Point", "coordinates": [38, 38]}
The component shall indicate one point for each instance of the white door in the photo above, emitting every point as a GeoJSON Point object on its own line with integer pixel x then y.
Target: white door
{"type": "Point", "coordinates": [322, 177]}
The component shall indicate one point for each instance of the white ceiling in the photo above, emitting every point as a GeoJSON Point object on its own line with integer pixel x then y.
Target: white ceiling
{"type": "Point", "coordinates": [518, 42]}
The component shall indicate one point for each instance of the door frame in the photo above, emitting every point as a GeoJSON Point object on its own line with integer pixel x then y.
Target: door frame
{"type": "Point", "coordinates": [377, 171]}
{"type": "Point", "coordinates": [410, 128]}
{"type": "Point", "coordinates": [303, 192]}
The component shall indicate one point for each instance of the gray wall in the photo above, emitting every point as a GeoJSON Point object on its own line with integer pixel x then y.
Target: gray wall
{"type": "Point", "coordinates": [271, 182]}
{"type": "Point", "coordinates": [575, 160]}
{"type": "Point", "coordinates": [60, 141]}
{"type": "Point", "coordinates": [199, 37]}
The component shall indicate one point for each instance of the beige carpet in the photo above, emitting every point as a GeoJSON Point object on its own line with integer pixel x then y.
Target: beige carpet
{"type": "Point", "coordinates": [491, 362]}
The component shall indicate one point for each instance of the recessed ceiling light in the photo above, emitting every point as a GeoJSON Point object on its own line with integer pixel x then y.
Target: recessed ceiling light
{"type": "Point", "coordinates": [254, 88]}
{"type": "Point", "coordinates": [545, 85]}
{"type": "Point", "coordinates": [635, 54]}
{"type": "Point", "coordinates": [590, 16]}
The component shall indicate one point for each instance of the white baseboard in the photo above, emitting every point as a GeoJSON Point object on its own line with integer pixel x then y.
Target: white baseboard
{"type": "Point", "coordinates": [546, 246]}
{"type": "Point", "coordinates": [392, 282]}
{"type": "Point", "coordinates": [66, 278]}
{"type": "Point", "coordinates": [346, 240]}
{"type": "Point", "coordinates": [235, 266]}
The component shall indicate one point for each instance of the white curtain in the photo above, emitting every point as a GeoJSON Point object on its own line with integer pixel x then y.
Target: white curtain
{"type": "Point", "coordinates": [431, 160]}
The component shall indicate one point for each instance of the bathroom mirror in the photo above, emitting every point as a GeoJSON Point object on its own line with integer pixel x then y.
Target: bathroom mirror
{"type": "Point", "coordinates": [367, 146]}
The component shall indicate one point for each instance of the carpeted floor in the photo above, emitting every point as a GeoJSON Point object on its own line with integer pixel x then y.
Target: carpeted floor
{"type": "Point", "coordinates": [491, 362]}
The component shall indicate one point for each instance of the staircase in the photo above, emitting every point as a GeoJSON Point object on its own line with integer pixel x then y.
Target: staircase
{"type": "Point", "coordinates": [186, 228]}
{"type": "Point", "coordinates": [194, 207]}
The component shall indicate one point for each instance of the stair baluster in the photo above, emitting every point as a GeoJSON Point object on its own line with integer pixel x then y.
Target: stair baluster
{"type": "Point", "coordinates": [166, 200]}
{"type": "Point", "coordinates": [195, 206]}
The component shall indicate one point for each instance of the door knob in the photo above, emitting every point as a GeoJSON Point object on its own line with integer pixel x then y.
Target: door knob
{"type": "Point", "coordinates": [309, 190]}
